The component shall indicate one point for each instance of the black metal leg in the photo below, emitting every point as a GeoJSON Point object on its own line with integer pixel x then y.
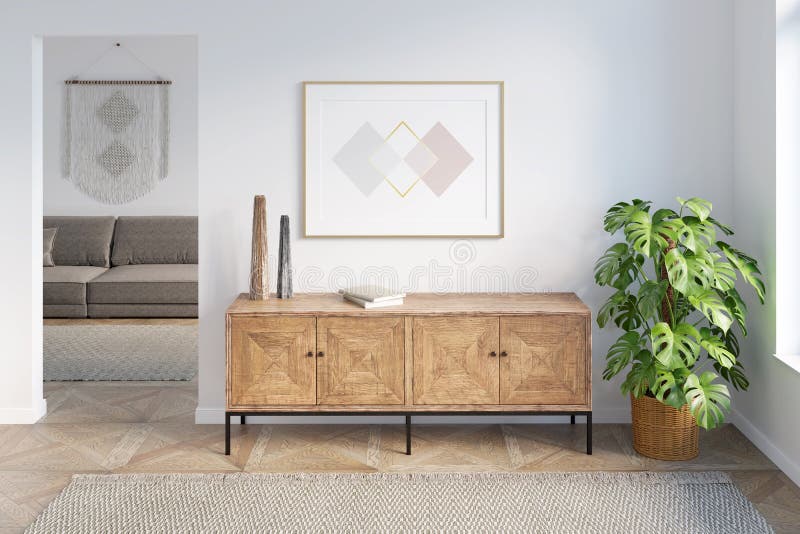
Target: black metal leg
{"type": "Point", "coordinates": [588, 433]}
{"type": "Point", "coordinates": [572, 419]}
{"type": "Point", "coordinates": [241, 421]}
{"type": "Point", "coordinates": [227, 434]}
{"type": "Point", "coordinates": [408, 434]}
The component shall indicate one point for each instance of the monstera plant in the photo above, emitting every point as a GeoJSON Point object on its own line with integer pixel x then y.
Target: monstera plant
{"type": "Point", "coordinates": [675, 297]}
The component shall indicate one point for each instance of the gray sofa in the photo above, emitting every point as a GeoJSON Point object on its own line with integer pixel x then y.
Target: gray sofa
{"type": "Point", "coordinates": [124, 267]}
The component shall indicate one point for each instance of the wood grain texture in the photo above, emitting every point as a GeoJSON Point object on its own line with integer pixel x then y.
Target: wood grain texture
{"type": "Point", "coordinates": [546, 360]}
{"type": "Point", "coordinates": [362, 360]}
{"type": "Point", "coordinates": [259, 280]}
{"type": "Point", "coordinates": [268, 361]}
{"type": "Point", "coordinates": [321, 304]}
{"type": "Point", "coordinates": [452, 362]}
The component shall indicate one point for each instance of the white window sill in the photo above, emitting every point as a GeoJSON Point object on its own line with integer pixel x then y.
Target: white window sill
{"type": "Point", "coordinates": [792, 360]}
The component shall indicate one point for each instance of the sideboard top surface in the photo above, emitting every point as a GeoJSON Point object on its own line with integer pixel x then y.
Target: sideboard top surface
{"type": "Point", "coordinates": [416, 304]}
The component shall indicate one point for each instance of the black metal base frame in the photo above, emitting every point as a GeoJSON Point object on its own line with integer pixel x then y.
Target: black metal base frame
{"type": "Point", "coordinates": [407, 415]}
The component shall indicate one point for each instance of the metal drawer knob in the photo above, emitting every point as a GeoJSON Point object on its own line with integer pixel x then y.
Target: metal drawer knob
{"type": "Point", "coordinates": [493, 354]}
{"type": "Point", "coordinates": [504, 354]}
{"type": "Point", "coordinates": [320, 354]}
{"type": "Point", "coordinates": [310, 354]}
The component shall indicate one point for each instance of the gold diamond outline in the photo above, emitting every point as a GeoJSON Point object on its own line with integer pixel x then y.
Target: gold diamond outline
{"type": "Point", "coordinates": [419, 177]}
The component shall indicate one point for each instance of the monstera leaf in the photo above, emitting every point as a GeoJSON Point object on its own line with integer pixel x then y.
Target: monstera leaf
{"type": "Point", "coordinates": [737, 307]}
{"type": "Point", "coordinates": [668, 390]}
{"type": "Point", "coordinates": [710, 304]}
{"type": "Point", "coordinates": [642, 374]}
{"type": "Point", "coordinates": [708, 401]}
{"type": "Point", "coordinates": [735, 375]}
{"type": "Point", "coordinates": [696, 234]}
{"type": "Point", "coordinates": [716, 348]}
{"type": "Point", "coordinates": [607, 267]}
{"type": "Point", "coordinates": [621, 353]}
{"type": "Point", "coordinates": [648, 234]}
{"type": "Point", "coordinates": [675, 348]}
{"type": "Point", "coordinates": [747, 266]}
{"type": "Point", "coordinates": [651, 294]}
{"type": "Point", "coordinates": [677, 270]}
{"type": "Point", "coordinates": [700, 266]}
{"type": "Point", "coordinates": [620, 213]}
{"type": "Point", "coordinates": [698, 206]}
{"type": "Point", "coordinates": [724, 273]}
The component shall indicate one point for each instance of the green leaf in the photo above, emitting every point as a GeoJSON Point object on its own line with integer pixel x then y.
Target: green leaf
{"type": "Point", "coordinates": [668, 390]}
{"type": "Point", "coordinates": [677, 270]}
{"type": "Point", "coordinates": [607, 267]}
{"type": "Point", "coordinates": [626, 315]}
{"type": "Point", "coordinates": [727, 230]}
{"type": "Point", "coordinates": [716, 348]}
{"type": "Point", "coordinates": [735, 375]}
{"type": "Point", "coordinates": [608, 309]}
{"type": "Point", "coordinates": [696, 234]}
{"type": "Point", "coordinates": [641, 375]}
{"type": "Point", "coordinates": [700, 267]}
{"type": "Point", "coordinates": [724, 273]}
{"type": "Point", "coordinates": [699, 206]}
{"type": "Point", "coordinates": [707, 401]}
{"type": "Point", "coordinates": [737, 307]}
{"type": "Point", "coordinates": [709, 303]}
{"type": "Point", "coordinates": [747, 266]}
{"type": "Point", "coordinates": [648, 235]}
{"type": "Point", "coordinates": [621, 353]}
{"type": "Point", "coordinates": [676, 348]}
{"type": "Point", "coordinates": [619, 214]}
{"type": "Point", "coordinates": [651, 294]}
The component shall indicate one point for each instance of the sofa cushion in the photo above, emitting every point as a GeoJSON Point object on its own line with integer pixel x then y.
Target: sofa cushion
{"type": "Point", "coordinates": [64, 311]}
{"type": "Point", "coordinates": [66, 284]}
{"type": "Point", "coordinates": [145, 240]}
{"type": "Point", "coordinates": [145, 284]}
{"type": "Point", "coordinates": [48, 236]}
{"type": "Point", "coordinates": [82, 240]}
{"type": "Point", "coordinates": [142, 310]}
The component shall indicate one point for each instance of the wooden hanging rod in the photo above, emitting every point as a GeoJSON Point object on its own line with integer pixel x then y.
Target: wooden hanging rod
{"type": "Point", "coordinates": [118, 82]}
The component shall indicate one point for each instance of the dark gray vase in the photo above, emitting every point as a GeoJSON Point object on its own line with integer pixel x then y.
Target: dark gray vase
{"type": "Point", "coordinates": [284, 261]}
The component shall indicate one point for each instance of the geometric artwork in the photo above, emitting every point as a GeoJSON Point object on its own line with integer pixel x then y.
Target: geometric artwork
{"type": "Point", "coordinates": [116, 138]}
{"type": "Point", "coordinates": [399, 159]}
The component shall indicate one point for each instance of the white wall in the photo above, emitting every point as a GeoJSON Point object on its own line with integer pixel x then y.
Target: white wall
{"type": "Point", "coordinates": [767, 413]}
{"type": "Point", "coordinates": [171, 57]}
{"type": "Point", "coordinates": [605, 101]}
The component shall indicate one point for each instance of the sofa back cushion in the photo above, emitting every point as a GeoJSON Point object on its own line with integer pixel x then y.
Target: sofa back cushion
{"type": "Point", "coordinates": [81, 240]}
{"type": "Point", "coordinates": [142, 240]}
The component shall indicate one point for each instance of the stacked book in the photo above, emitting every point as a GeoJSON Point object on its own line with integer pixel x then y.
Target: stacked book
{"type": "Point", "coordinates": [372, 296]}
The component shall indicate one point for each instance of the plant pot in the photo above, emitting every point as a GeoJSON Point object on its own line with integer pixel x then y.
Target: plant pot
{"type": "Point", "coordinates": [661, 431]}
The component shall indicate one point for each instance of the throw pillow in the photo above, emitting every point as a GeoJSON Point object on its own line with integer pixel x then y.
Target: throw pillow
{"type": "Point", "coordinates": [49, 238]}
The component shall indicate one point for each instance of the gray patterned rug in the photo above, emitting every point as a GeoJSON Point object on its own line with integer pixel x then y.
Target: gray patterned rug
{"type": "Point", "coordinates": [522, 502]}
{"type": "Point", "coordinates": [120, 352]}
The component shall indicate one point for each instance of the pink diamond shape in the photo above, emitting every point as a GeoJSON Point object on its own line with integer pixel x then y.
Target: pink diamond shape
{"type": "Point", "coordinates": [452, 160]}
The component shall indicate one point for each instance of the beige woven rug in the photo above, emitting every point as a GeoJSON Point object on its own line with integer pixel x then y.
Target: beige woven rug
{"type": "Point", "coordinates": [521, 502]}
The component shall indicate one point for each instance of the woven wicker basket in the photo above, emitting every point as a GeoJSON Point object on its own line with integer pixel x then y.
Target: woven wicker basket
{"type": "Point", "coordinates": [662, 432]}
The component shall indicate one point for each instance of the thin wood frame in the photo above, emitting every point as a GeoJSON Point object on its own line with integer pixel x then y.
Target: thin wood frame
{"type": "Point", "coordinates": [501, 86]}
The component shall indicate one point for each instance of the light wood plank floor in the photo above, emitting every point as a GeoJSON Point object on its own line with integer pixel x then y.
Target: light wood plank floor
{"type": "Point", "coordinates": [108, 427]}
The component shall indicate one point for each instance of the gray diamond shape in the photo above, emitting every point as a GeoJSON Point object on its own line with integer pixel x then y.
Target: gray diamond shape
{"type": "Point", "coordinates": [116, 159]}
{"type": "Point", "coordinates": [118, 112]}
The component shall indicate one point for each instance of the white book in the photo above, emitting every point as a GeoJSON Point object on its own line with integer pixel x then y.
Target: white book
{"type": "Point", "coordinates": [372, 293]}
{"type": "Point", "coordinates": [368, 305]}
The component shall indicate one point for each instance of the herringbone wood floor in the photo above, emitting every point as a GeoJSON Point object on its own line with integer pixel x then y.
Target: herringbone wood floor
{"type": "Point", "coordinates": [149, 427]}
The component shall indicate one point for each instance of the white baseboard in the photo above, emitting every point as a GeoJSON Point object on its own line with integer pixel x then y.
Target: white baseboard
{"type": "Point", "coordinates": [23, 416]}
{"type": "Point", "coordinates": [760, 440]}
{"type": "Point", "coordinates": [213, 416]}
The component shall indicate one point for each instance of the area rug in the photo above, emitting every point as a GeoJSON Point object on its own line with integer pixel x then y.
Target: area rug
{"type": "Point", "coordinates": [120, 352]}
{"type": "Point", "coordinates": [682, 502]}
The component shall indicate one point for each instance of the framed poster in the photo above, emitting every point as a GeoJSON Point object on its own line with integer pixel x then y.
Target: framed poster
{"type": "Point", "coordinates": [403, 159]}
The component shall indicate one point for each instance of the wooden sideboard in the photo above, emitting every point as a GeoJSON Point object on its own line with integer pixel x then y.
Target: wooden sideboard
{"type": "Point", "coordinates": [316, 354]}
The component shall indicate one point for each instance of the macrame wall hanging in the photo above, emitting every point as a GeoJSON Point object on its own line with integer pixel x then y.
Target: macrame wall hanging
{"type": "Point", "coordinates": [116, 144]}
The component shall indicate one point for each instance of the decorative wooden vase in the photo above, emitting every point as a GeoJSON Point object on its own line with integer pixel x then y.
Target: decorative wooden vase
{"type": "Point", "coordinates": [662, 432]}
{"type": "Point", "coordinates": [284, 261]}
{"type": "Point", "coordinates": [259, 268]}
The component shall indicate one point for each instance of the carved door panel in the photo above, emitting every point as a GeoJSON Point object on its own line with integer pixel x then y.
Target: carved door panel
{"type": "Point", "coordinates": [543, 359]}
{"type": "Point", "coordinates": [272, 361]}
{"type": "Point", "coordinates": [455, 360]}
{"type": "Point", "coordinates": [361, 360]}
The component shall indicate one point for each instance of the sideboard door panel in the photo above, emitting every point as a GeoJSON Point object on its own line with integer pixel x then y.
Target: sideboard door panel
{"type": "Point", "coordinates": [362, 360]}
{"type": "Point", "coordinates": [453, 362]}
{"type": "Point", "coordinates": [270, 363]}
{"type": "Point", "coordinates": [546, 359]}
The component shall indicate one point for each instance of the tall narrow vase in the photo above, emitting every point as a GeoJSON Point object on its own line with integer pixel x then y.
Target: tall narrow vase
{"type": "Point", "coordinates": [259, 268]}
{"type": "Point", "coordinates": [284, 261]}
